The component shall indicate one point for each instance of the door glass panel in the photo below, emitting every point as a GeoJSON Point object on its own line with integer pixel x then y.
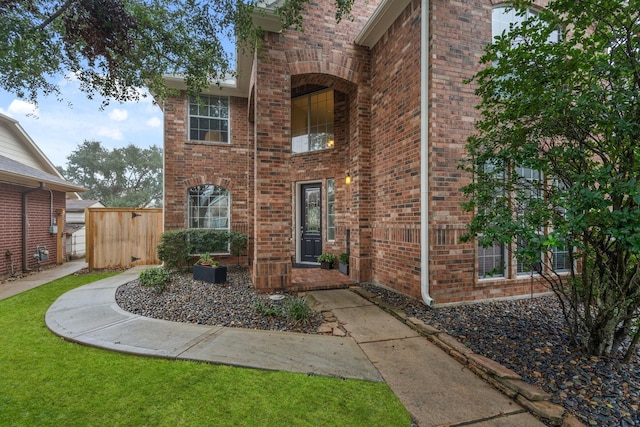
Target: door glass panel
{"type": "Point", "coordinates": [312, 209]}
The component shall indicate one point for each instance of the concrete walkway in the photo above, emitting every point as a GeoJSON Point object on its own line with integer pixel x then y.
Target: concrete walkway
{"type": "Point", "coordinates": [90, 315]}
{"type": "Point", "coordinates": [436, 389]}
{"type": "Point", "coordinates": [36, 279]}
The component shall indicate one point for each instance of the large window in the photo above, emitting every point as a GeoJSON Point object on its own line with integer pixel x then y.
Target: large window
{"type": "Point", "coordinates": [208, 207]}
{"type": "Point", "coordinates": [331, 209]}
{"type": "Point", "coordinates": [209, 119]}
{"type": "Point", "coordinates": [491, 259]}
{"type": "Point", "coordinates": [312, 122]}
{"type": "Point", "coordinates": [530, 181]}
{"type": "Point", "coordinates": [505, 16]}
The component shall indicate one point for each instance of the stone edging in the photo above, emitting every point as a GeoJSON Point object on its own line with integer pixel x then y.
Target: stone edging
{"type": "Point", "coordinates": [534, 399]}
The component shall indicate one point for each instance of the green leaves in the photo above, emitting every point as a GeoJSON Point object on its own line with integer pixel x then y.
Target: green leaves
{"type": "Point", "coordinates": [115, 47]}
{"type": "Point", "coordinates": [569, 109]}
{"type": "Point", "coordinates": [123, 177]}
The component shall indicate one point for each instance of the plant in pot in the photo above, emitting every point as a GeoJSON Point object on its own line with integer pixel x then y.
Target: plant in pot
{"type": "Point", "coordinates": [343, 263]}
{"type": "Point", "coordinates": [327, 260]}
{"type": "Point", "coordinates": [209, 270]}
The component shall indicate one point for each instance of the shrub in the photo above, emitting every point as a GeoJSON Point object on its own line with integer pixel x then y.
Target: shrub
{"type": "Point", "coordinates": [237, 244]}
{"type": "Point", "coordinates": [174, 250]}
{"type": "Point", "coordinates": [267, 309]}
{"type": "Point", "coordinates": [156, 277]}
{"type": "Point", "coordinates": [177, 248]}
{"type": "Point", "coordinates": [297, 309]}
{"type": "Point", "coordinates": [327, 257]}
{"type": "Point", "coordinates": [344, 258]}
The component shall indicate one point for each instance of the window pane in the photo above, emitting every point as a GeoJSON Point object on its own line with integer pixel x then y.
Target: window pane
{"type": "Point", "coordinates": [208, 207]}
{"type": "Point", "coordinates": [529, 267]}
{"type": "Point", "coordinates": [209, 119]}
{"type": "Point", "coordinates": [312, 118]}
{"type": "Point", "coordinates": [331, 214]}
{"type": "Point", "coordinates": [561, 261]}
{"type": "Point", "coordinates": [491, 261]}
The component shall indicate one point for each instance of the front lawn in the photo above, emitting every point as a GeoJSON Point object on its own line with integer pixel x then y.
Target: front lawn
{"type": "Point", "coordinates": [47, 381]}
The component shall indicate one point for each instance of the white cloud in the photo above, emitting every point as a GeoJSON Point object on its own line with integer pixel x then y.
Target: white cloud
{"type": "Point", "coordinates": [112, 133]}
{"type": "Point", "coordinates": [118, 115]}
{"type": "Point", "coordinates": [19, 107]}
{"type": "Point", "coordinates": [154, 122]}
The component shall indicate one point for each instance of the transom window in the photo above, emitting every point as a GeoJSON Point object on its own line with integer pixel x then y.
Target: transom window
{"type": "Point", "coordinates": [312, 122]}
{"type": "Point", "coordinates": [209, 119]}
{"type": "Point", "coordinates": [208, 207]}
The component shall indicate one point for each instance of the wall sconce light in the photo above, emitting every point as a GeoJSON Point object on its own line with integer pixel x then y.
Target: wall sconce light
{"type": "Point", "coordinates": [330, 143]}
{"type": "Point", "coordinates": [347, 179]}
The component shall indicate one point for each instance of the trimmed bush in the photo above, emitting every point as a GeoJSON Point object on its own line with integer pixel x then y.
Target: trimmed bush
{"type": "Point", "coordinates": [156, 277]}
{"type": "Point", "coordinates": [177, 248]}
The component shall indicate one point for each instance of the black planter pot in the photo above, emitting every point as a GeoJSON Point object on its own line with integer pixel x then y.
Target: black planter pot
{"type": "Point", "coordinates": [210, 274]}
{"type": "Point", "coordinates": [343, 268]}
{"type": "Point", "coordinates": [326, 265]}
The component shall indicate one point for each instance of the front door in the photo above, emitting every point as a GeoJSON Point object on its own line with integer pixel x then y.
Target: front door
{"type": "Point", "coordinates": [311, 222]}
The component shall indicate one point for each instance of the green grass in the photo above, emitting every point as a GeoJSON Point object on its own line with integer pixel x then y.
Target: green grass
{"type": "Point", "coordinates": [47, 381]}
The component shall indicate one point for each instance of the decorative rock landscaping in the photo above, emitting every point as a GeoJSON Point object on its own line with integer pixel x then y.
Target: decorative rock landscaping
{"type": "Point", "coordinates": [527, 337]}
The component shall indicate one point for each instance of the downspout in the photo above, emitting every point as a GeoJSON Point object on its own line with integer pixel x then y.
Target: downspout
{"type": "Point", "coordinates": [424, 155]}
{"type": "Point", "coordinates": [25, 234]}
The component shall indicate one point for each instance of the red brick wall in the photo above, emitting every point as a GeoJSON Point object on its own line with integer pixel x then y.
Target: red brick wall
{"type": "Point", "coordinates": [378, 119]}
{"type": "Point", "coordinates": [458, 34]}
{"type": "Point", "coordinates": [323, 54]}
{"type": "Point", "coordinates": [188, 164]}
{"type": "Point", "coordinates": [395, 136]}
{"type": "Point", "coordinates": [39, 216]}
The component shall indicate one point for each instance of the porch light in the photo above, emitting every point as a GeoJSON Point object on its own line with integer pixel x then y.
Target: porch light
{"type": "Point", "coordinates": [330, 143]}
{"type": "Point", "coordinates": [347, 179]}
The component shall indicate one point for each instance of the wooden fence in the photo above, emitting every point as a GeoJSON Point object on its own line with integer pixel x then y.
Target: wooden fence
{"type": "Point", "coordinates": [122, 237]}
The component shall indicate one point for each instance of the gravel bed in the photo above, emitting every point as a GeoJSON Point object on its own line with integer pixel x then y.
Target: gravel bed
{"type": "Point", "coordinates": [528, 337]}
{"type": "Point", "coordinates": [229, 304]}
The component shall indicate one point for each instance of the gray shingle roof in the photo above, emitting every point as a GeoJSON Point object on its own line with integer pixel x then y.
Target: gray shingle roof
{"type": "Point", "coordinates": [14, 172]}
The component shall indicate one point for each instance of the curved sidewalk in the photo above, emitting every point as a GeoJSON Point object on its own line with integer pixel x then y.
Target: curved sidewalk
{"type": "Point", "coordinates": [90, 315]}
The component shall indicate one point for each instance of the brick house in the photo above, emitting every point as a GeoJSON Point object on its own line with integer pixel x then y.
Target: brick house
{"type": "Point", "coordinates": [32, 203]}
{"type": "Point", "coordinates": [346, 138]}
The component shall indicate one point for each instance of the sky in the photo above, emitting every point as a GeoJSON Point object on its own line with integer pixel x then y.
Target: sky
{"type": "Point", "coordinates": [59, 129]}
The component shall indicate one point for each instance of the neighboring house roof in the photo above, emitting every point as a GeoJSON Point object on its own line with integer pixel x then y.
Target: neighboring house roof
{"type": "Point", "coordinates": [80, 205]}
{"type": "Point", "coordinates": [72, 228]}
{"type": "Point", "coordinates": [23, 162]}
{"type": "Point", "coordinates": [14, 172]}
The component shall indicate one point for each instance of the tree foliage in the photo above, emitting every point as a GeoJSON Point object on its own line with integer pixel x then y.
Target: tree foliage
{"type": "Point", "coordinates": [122, 177]}
{"type": "Point", "coordinates": [115, 47]}
{"type": "Point", "coordinates": [571, 110]}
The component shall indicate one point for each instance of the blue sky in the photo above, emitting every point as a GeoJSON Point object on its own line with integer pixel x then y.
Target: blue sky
{"type": "Point", "coordinates": [58, 129]}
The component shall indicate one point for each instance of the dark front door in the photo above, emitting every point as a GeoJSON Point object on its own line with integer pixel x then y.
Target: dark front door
{"type": "Point", "coordinates": [311, 223]}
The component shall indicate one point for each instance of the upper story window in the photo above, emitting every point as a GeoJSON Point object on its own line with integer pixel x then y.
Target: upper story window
{"type": "Point", "coordinates": [312, 122]}
{"type": "Point", "coordinates": [209, 119]}
{"type": "Point", "coordinates": [505, 16]}
{"type": "Point", "coordinates": [208, 207]}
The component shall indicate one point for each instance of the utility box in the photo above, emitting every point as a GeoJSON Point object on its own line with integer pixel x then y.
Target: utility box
{"type": "Point", "coordinates": [42, 254]}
